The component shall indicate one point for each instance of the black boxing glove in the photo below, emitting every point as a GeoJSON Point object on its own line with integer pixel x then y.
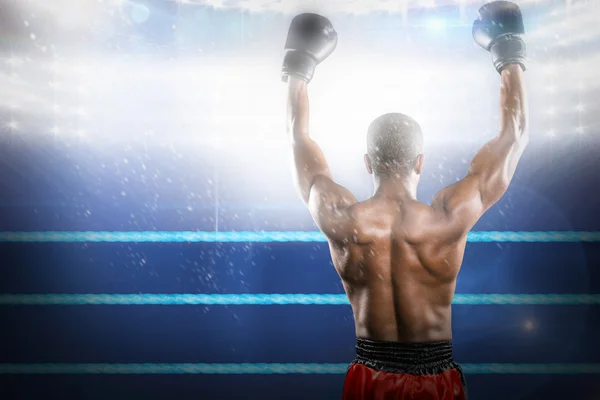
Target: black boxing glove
{"type": "Point", "coordinates": [499, 29]}
{"type": "Point", "coordinates": [311, 39]}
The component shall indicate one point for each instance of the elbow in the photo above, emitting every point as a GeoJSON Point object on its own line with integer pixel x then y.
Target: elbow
{"type": "Point", "coordinates": [299, 140]}
{"type": "Point", "coordinates": [298, 136]}
{"type": "Point", "coordinates": [296, 131]}
{"type": "Point", "coordinates": [494, 190]}
{"type": "Point", "coordinates": [303, 191]}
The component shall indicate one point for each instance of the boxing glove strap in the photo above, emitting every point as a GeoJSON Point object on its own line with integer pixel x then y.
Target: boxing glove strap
{"type": "Point", "coordinates": [509, 49]}
{"type": "Point", "coordinates": [298, 64]}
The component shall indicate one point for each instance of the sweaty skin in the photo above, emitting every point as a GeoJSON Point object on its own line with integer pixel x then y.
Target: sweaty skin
{"type": "Point", "coordinates": [399, 258]}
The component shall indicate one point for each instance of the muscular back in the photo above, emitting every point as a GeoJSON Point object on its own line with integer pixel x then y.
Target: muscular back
{"type": "Point", "coordinates": [400, 275]}
{"type": "Point", "coordinates": [398, 258]}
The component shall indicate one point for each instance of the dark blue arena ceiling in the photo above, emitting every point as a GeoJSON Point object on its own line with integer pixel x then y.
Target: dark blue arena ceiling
{"type": "Point", "coordinates": [156, 115]}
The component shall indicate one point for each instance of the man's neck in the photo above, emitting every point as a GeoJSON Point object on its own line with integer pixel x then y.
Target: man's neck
{"type": "Point", "coordinates": [395, 187]}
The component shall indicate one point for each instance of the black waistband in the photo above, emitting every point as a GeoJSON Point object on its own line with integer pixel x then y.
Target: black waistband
{"type": "Point", "coordinates": [408, 358]}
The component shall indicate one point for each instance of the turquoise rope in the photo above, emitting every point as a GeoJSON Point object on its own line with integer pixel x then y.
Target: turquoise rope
{"type": "Point", "coordinates": [277, 299]}
{"type": "Point", "coordinates": [291, 236]}
{"type": "Point", "coordinates": [337, 369]}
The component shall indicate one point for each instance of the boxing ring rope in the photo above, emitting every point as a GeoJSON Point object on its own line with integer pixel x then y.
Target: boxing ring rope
{"type": "Point", "coordinates": [277, 299]}
{"type": "Point", "coordinates": [274, 368]}
{"type": "Point", "coordinates": [273, 299]}
{"type": "Point", "coordinates": [273, 236]}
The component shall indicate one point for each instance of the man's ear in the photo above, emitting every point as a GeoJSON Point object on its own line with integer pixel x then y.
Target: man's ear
{"type": "Point", "coordinates": [368, 164]}
{"type": "Point", "coordinates": [419, 164]}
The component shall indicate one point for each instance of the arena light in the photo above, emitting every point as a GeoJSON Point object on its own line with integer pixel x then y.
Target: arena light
{"type": "Point", "coordinates": [529, 325]}
{"type": "Point", "coordinates": [245, 105]}
{"type": "Point", "coordinates": [356, 7]}
{"type": "Point", "coordinates": [250, 99]}
{"type": "Point", "coordinates": [436, 24]}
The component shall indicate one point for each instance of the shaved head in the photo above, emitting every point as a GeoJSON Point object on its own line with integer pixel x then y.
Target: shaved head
{"type": "Point", "coordinates": [393, 143]}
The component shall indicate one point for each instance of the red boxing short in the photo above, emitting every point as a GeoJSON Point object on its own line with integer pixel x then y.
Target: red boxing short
{"type": "Point", "coordinates": [403, 371]}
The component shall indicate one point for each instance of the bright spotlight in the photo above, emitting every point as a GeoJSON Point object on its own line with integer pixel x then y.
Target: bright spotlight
{"type": "Point", "coordinates": [436, 24]}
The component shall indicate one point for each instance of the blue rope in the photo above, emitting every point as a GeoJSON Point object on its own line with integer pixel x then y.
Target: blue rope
{"type": "Point", "coordinates": [338, 369]}
{"type": "Point", "coordinates": [277, 299]}
{"type": "Point", "coordinates": [291, 236]}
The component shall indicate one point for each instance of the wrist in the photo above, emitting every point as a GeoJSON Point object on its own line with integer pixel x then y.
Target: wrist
{"type": "Point", "coordinates": [299, 64]}
{"type": "Point", "coordinates": [510, 69]}
{"type": "Point", "coordinates": [509, 49]}
{"type": "Point", "coordinates": [295, 83]}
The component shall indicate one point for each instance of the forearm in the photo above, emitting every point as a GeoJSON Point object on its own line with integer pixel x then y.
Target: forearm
{"type": "Point", "coordinates": [297, 109]}
{"type": "Point", "coordinates": [498, 29]}
{"type": "Point", "coordinates": [496, 162]}
{"type": "Point", "coordinates": [513, 103]}
{"type": "Point", "coordinates": [308, 159]}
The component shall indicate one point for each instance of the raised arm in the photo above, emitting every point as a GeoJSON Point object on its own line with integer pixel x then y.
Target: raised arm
{"type": "Point", "coordinates": [310, 40]}
{"type": "Point", "coordinates": [499, 30]}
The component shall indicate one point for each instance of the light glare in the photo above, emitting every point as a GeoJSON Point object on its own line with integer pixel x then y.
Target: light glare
{"type": "Point", "coordinates": [436, 24]}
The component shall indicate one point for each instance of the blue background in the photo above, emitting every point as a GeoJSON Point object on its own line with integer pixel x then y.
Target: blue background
{"type": "Point", "coordinates": [538, 200]}
{"type": "Point", "coordinates": [129, 182]}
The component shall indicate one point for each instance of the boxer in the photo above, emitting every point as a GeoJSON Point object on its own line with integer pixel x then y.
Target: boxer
{"type": "Point", "coordinates": [398, 258]}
